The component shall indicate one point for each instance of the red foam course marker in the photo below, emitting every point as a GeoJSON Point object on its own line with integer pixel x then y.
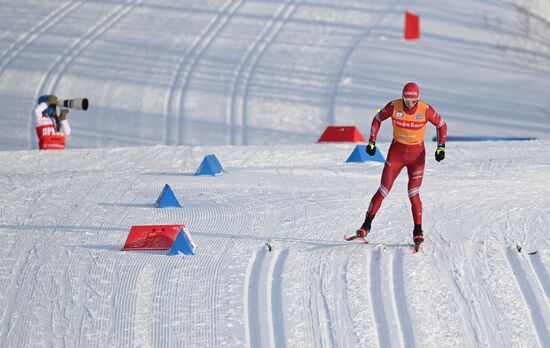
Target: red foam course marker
{"type": "Point", "coordinates": [152, 237]}
{"type": "Point", "coordinates": [348, 134]}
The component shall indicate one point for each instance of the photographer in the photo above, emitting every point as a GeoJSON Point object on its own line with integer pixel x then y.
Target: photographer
{"type": "Point", "coordinates": [51, 127]}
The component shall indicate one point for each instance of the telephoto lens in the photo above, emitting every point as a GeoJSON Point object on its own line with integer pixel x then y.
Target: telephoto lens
{"type": "Point", "coordinates": [78, 103]}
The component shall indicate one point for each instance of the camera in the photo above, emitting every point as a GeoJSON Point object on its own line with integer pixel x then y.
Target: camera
{"type": "Point", "coordinates": [78, 103]}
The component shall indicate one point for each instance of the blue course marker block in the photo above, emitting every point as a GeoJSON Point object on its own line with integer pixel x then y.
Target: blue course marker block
{"type": "Point", "coordinates": [183, 244]}
{"type": "Point", "coordinates": [360, 154]}
{"type": "Point", "coordinates": [210, 166]}
{"type": "Point", "coordinates": [167, 198]}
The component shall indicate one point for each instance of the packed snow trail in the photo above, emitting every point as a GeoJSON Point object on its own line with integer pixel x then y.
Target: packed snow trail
{"type": "Point", "coordinates": [65, 280]}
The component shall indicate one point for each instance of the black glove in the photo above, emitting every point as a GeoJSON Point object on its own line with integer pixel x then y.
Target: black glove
{"type": "Point", "coordinates": [440, 152]}
{"type": "Point", "coordinates": [371, 148]}
{"type": "Point", "coordinates": [63, 114]}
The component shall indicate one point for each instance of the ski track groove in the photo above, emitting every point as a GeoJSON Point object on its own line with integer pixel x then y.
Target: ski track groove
{"type": "Point", "coordinates": [254, 328]}
{"type": "Point", "coordinates": [344, 322]}
{"type": "Point", "coordinates": [329, 301]}
{"type": "Point", "coordinates": [325, 318]}
{"type": "Point", "coordinates": [336, 301]}
{"type": "Point", "coordinates": [331, 113]}
{"type": "Point", "coordinates": [359, 298]}
{"type": "Point", "coordinates": [318, 318]}
{"type": "Point", "coordinates": [378, 306]}
{"type": "Point", "coordinates": [536, 308]}
{"type": "Point", "coordinates": [400, 298]}
{"type": "Point", "coordinates": [489, 298]}
{"type": "Point", "coordinates": [175, 101]}
{"type": "Point", "coordinates": [59, 67]}
{"type": "Point", "coordinates": [319, 334]}
{"type": "Point", "coordinates": [470, 316]}
{"type": "Point", "coordinates": [290, 220]}
{"type": "Point", "coordinates": [247, 67]}
{"type": "Point", "coordinates": [263, 297]}
{"type": "Point", "coordinates": [277, 299]}
{"type": "Point", "coordinates": [385, 310]}
{"type": "Point", "coordinates": [500, 304]}
{"type": "Point", "coordinates": [62, 63]}
{"type": "Point", "coordinates": [542, 274]}
{"type": "Point", "coordinates": [13, 51]}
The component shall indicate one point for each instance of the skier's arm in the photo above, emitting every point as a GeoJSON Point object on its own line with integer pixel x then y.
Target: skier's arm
{"type": "Point", "coordinates": [437, 121]}
{"type": "Point", "coordinates": [380, 116]}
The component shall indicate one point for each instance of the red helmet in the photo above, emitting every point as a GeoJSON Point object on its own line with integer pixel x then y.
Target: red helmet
{"type": "Point", "coordinates": [411, 91]}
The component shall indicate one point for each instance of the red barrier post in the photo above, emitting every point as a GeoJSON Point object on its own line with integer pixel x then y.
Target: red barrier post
{"type": "Point", "coordinates": [412, 26]}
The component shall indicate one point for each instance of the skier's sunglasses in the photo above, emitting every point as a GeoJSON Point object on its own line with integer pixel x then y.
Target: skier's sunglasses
{"type": "Point", "coordinates": [408, 101]}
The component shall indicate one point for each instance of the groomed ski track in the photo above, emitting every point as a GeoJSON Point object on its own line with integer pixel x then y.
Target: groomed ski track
{"type": "Point", "coordinates": [66, 281]}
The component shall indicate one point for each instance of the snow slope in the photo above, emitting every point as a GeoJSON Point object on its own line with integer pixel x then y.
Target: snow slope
{"type": "Point", "coordinates": [65, 282]}
{"type": "Point", "coordinates": [214, 75]}
{"type": "Point", "coordinates": [269, 72]}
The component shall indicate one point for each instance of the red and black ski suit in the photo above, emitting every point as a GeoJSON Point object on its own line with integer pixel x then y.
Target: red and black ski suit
{"type": "Point", "coordinates": [406, 150]}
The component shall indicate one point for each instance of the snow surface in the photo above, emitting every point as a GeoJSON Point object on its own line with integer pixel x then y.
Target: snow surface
{"type": "Point", "coordinates": [211, 76]}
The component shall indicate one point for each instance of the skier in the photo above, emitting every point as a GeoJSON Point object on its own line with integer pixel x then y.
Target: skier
{"type": "Point", "coordinates": [51, 127]}
{"type": "Point", "coordinates": [409, 117]}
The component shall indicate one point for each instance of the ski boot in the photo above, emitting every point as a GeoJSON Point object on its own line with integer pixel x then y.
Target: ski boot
{"type": "Point", "coordinates": [418, 238]}
{"type": "Point", "coordinates": [362, 232]}
{"type": "Point", "coordinates": [365, 228]}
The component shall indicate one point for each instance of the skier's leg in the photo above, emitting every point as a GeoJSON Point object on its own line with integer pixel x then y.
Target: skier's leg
{"type": "Point", "coordinates": [389, 174]}
{"type": "Point", "coordinates": [415, 170]}
{"type": "Point", "coordinates": [416, 173]}
{"type": "Point", "coordinates": [392, 168]}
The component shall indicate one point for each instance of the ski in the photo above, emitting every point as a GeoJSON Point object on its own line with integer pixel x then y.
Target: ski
{"type": "Point", "coordinates": [350, 238]}
{"type": "Point", "coordinates": [418, 242]}
{"type": "Point", "coordinates": [416, 248]}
